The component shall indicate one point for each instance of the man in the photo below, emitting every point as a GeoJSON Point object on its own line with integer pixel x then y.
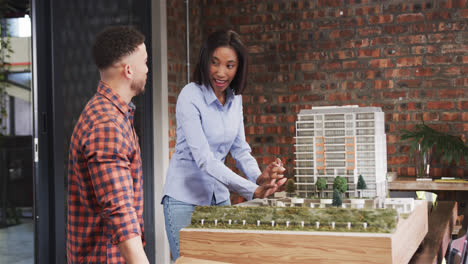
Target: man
{"type": "Point", "coordinates": [105, 192]}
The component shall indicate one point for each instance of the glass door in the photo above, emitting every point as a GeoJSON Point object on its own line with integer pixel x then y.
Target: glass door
{"type": "Point", "coordinates": [16, 135]}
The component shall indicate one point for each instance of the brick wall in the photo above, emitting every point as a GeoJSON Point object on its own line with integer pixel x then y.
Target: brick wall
{"type": "Point", "coordinates": [408, 57]}
{"type": "Point", "coordinates": [177, 53]}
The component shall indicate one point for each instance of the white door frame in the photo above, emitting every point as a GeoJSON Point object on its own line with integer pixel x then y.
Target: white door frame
{"type": "Point", "coordinates": [161, 123]}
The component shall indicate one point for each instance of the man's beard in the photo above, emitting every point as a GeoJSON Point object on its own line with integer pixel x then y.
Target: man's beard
{"type": "Point", "coordinates": [138, 86]}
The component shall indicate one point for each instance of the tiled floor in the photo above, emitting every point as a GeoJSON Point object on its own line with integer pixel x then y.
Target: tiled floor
{"type": "Point", "coordinates": [17, 243]}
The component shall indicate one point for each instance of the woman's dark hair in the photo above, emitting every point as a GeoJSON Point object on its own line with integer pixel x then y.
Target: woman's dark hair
{"type": "Point", "coordinates": [113, 43]}
{"type": "Point", "coordinates": [222, 38]}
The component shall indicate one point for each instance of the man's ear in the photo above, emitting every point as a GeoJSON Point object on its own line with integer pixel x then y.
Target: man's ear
{"type": "Point", "coordinates": [128, 71]}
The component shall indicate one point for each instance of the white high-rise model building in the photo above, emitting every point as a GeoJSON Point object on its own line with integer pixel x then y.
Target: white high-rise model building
{"type": "Point", "coordinates": [345, 141]}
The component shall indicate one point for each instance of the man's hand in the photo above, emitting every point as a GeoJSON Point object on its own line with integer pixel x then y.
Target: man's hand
{"type": "Point", "coordinates": [132, 251]}
{"type": "Point", "coordinates": [270, 179]}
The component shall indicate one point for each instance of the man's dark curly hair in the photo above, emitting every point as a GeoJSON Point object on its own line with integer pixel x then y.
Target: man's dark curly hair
{"type": "Point", "coordinates": [113, 43]}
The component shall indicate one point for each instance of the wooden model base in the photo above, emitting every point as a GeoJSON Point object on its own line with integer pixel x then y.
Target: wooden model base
{"type": "Point", "coordinates": [258, 246]}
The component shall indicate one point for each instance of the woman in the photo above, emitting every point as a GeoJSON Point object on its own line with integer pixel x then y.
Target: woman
{"type": "Point", "coordinates": [209, 125]}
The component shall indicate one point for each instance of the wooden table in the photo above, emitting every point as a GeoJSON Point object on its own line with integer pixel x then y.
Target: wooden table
{"type": "Point", "coordinates": [442, 218]}
{"type": "Point", "coordinates": [450, 191]}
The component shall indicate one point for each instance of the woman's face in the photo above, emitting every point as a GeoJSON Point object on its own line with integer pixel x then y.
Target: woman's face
{"type": "Point", "coordinates": [223, 68]}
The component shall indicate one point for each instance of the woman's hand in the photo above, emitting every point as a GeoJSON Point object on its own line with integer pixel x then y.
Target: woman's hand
{"type": "Point", "coordinates": [270, 179]}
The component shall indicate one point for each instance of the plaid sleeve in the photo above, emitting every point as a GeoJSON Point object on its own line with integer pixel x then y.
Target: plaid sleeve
{"type": "Point", "coordinates": [107, 150]}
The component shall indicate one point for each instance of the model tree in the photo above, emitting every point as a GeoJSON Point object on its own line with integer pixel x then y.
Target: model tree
{"type": "Point", "coordinates": [321, 185]}
{"type": "Point", "coordinates": [361, 185]}
{"type": "Point", "coordinates": [290, 186]}
{"type": "Point", "coordinates": [336, 198]}
{"type": "Point", "coordinates": [340, 184]}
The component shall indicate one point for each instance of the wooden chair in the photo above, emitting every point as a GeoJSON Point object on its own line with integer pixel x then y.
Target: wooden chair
{"type": "Point", "coordinates": [457, 251]}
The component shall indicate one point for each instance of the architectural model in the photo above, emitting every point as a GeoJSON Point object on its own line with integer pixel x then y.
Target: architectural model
{"type": "Point", "coordinates": [346, 141]}
{"type": "Point", "coordinates": [303, 230]}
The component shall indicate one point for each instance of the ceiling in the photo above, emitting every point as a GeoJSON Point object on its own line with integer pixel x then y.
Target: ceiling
{"type": "Point", "coordinates": [14, 8]}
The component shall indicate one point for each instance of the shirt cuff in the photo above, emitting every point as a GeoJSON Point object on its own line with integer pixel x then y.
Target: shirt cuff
{"type": "Point", "coordinates": [125, 233]}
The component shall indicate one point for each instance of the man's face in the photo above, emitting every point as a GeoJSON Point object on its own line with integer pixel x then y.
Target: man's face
{"type": "Point", "coordinates": [138, 60]}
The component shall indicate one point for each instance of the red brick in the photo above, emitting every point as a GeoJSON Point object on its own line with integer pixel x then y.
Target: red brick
{"type": "Point", "coordinates": [412, 83]}
{"type": "Point", "coordinates": [367, 10]}
{"type": "Point", "coordinates": [446, 116]}
{"type": "Point", "coordinates": [327, 24]}
{"type": "Point", "coordinates": [251, 109]}
{"type": "Point", "coordinates": [333, 97]}
{"type": "Point", "coordinates": [410, 18]}
{"type": "Point", "coordinates": [254, 130]}
{"type": "Point", "coordinates": [394, 95]}
{"type": "Point", "coordinates": [330, 66]}
{"type": "Point", "coordinates": [465, 59]}
{"type": "Point", "coordinates": [353, 22]}
{"type": "Point", "coordinates": [455, 26]}
{"type": "Point", "coordinates": [413, 39]}
{"type": "Point", "coordinates": [305, 66]}
{"type": "Point", "coordinates": [461, 82]}
{"type": "Point", "coordinates": [382, 41]}
{"type": "Point", "coordinates": [440, 105]}
{"type": "Point", "coordinates": [299, 88]}
{"type": "Point", "coordinates": [265, 119]}
{"type": "Point", "coordinates": [275, 130]}
{"type": "Point", "coordinates": [438, 15]}
{"type": "Point", "coordinates": [454, 48]}
{"type": "Point", "coordinates": [327, 45]}
{"type": "Point", "coordinates": [454, 4]}
{"type": "Point", "coordinates": [409, 61]}
{"type": "Point", "coordinates": [275, 150]}
{"type": "Point", "coordinates": [367, 31]}
{"type": "Point", "coordinates": [414, 106]}
{"type": "Point", "coordinates": [313, 55]}
{"type": "Point", "coordinates": [438, 59]}
{"type": "Point", "coordinates": [372, 74]}
{"type": "Point", "coordinates": [396, 51]}
{"type": "Point", "coordinates": [464, 117]}
{"type": "Point", "coordinates": [426, 49]}
{"type": "Point", "coordinates": [359, 43]}
{"type": "Point", "coordinates": [451, 93]}
{"type": "Point", "coordinates": [314, 76]}
{"type": "Point", "coordinates": [423, 28]}
{"type": "Point", "coordinates": [343, 75]}
{"type": "Point", "coordinates": [354, 65]}
{"type": "Point", "coordinates": [437, 83]}
{"type": "Point", "coordinates": [441, 37]}
{"type": "Point", "coordinates": [391, 150]}
{"type": "Point", "coordinates": [312, 97]}
{"type": "Point", "coordinates": [369, 53]}
{"type": "Point", "coordinates": [342, 54]}
{"type": "Point", "coordinates": [425, 72]}
{"type": "Point", "coordinates": [352, 85]}
{"type": "Point", "coordinates": [340, 34]}
{"type": "Point", "coordinates": [381, 19]}
{"type": "Point", "coordinates": [398, 160]}
{"type": "Point", "coordinates": [383, 84]}
{"type": "Point", "coordinates": [329, 3]}
{"type": "Point", "coordinates": [395, 29]}
{"type": "Point", "coordinates": [381, 63]}
{"type": "Point", "coordinates": [429, 116]}
{"type": "Point", "coordinates": [451, 71]}
{"type": "Point", "coordinates": [397, 73]}
{"type": "Point", "coordinates": [306, 25]}
{"type": "Point", "coordinates": [463, 13]}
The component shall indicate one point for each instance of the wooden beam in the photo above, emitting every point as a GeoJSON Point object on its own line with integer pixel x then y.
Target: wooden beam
{"type": "Point", "coordinates": [441, 221]}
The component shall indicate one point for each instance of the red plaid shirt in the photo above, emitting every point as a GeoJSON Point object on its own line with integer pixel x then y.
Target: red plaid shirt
{"type": "Point", "coordinates": [105, 192]}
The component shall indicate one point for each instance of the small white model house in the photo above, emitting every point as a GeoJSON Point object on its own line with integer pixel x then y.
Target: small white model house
{"type": "Point", "coordinates": [345, 141]}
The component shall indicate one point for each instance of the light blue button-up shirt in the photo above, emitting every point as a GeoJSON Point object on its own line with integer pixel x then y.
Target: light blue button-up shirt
{"type": "Point", "coordinates": [206, 132]}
